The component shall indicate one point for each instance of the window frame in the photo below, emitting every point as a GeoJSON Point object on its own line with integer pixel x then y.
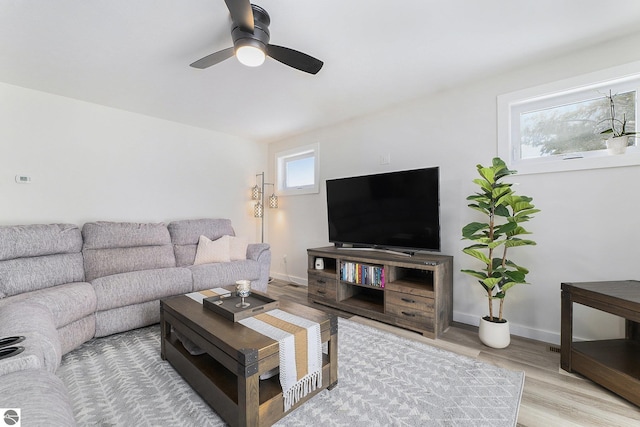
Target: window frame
{"type": "Point", "coordinates": [297, 153]}
{"type": "Point", "coordinates": [619, 79]}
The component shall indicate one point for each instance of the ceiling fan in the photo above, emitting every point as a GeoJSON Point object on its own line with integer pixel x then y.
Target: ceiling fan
{"type": "Point", "coordinates": [250, 33]}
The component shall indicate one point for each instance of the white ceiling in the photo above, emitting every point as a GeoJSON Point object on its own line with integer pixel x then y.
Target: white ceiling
{"type": "Point", "coordinates": [135, 54]}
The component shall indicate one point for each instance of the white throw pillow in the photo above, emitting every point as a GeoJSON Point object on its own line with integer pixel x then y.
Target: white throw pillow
{"type": "Point", "coordinates": [238, 248]}
{"type": "Point", "coordinates": [212, 250]}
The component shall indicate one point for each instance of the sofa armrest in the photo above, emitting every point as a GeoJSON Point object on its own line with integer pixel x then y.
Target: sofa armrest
{"type": "Point", "coordinates": [42, 342]}
{"type": "Point", "coordinates": [256, 250]}
{"type": "Point", "coordinates": [260, 252]}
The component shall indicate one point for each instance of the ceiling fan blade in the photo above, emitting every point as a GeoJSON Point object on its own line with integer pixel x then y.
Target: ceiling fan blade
{"type": "Point", "coordinates": [241, 13]}
{"type": "Point", "coordinates": [213, 59]}
{"type": "Point", "coordinates": [293, 58]}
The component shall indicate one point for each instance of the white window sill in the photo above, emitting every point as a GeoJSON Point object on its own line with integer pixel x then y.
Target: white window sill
{"type": "Point", "coordinates": [572, 163]}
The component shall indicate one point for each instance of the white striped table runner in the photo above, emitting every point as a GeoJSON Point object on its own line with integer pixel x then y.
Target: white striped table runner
{"type": "Point", "coordinates": [199, 296]}
{"type": "Point", "coordinates": [300, 351]}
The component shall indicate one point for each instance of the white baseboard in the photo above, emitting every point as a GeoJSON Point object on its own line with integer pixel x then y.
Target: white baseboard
{"type": "Point", "coordinates": [514, 328]}
{"type": "Point", "coordinates": [469, 319]}
{"type": "Point", "coordinates": [302, 281]}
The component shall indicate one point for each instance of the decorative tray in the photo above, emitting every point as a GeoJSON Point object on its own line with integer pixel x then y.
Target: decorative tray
{"type": "Point", "coordinates": [225, 305]}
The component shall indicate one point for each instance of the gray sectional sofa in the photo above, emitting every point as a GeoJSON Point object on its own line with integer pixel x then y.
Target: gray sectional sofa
{"type": "Point", "coordinates": [61, 286]}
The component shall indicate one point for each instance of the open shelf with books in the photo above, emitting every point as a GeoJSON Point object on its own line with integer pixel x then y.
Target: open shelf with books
{"type": "Point", "coordinates": [362, 274]}
{"type": "Point", "coordinates": [412, 292]}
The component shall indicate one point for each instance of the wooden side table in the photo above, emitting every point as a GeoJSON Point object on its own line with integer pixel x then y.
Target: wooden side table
{"type": "Point", "coordinates": [614, 364]}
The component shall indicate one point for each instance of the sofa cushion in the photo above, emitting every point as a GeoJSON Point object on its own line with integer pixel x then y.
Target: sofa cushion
{"type": "Point", "coordinates": [20, 241]}
{"type": "Point", "coordinates": [187, 232]}
{"type": "Point", "coordinates": [41, 397]}
{"type": "Point", "coordinates": [185, 235]}
{"type": "Point", "coordinates": [105, 234]}
{"type": "Point", "coordinates": [42, 344]}
{"type": "Point", "coordinates": [30, 274]}
{"type": "Point", "coordinates": [137, 287]}
{"type": "Point", "coordinates": [238, 248]}
{"type": "Point", "coordinates": [122, 319]}
{"type": "Point", "coordinates": [209, 251]}
{"type": "Point", "coordinates": [77, 333]}
{"type": "Point", "coordinates": [105, 262]}
{"type": "Point", "coordinates": [121, 247]}
{"type": "Point", "coordinates": [67, 303]}
{"type": "Point", "coordinates": [207, 276]}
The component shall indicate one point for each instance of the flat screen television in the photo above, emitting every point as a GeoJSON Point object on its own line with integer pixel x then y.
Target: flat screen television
{"type": "Point", "coordinates": [395, 210]}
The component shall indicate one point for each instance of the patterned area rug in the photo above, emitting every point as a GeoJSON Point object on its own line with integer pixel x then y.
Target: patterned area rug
{"type": "Point", "coordinates": [384, 380]}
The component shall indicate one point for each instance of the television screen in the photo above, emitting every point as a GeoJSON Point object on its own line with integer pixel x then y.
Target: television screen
{"type": "Point", "coordinates": [395, 210]}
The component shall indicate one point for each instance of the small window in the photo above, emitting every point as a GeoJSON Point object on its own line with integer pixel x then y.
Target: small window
{"type": "Point", "coordinates": [557, 127]}
{"type": "Point", "coordinates": [297, 171]}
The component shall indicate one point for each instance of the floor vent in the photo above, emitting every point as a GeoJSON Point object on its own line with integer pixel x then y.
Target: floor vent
{"type": "Point", "coordinates": [554, 349]}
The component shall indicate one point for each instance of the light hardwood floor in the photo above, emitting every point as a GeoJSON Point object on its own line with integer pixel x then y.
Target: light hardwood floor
{"type": "Point", "coordinates": [551, 396]}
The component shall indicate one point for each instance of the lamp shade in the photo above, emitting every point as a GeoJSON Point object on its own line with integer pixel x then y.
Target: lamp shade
{"type": "Point", "coordinates": [258, 210]}
{"type": "Point", "coordinates": [273, 201]}
{"type": "Point", "coordinates": [255, 192]}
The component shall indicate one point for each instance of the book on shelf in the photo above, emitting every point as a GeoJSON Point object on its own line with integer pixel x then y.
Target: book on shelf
{"type": "Point", "coordinates": [362, 274]}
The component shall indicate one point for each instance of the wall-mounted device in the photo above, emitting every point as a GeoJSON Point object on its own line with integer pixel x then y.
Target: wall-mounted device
{"type": "Point", "coordinates": [23, 179]}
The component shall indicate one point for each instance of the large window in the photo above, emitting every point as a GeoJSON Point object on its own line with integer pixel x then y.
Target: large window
{"type": "Point", "coordinates": [297, 170]}
{"type": "Point", "coordinates": [559, 126]}
{"type": "Point", "coordinates": [573, 128]}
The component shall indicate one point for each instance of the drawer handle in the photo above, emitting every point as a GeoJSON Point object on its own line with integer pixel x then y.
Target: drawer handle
{"type": "Point", "coordinates": [409, 314]}
{"type": "Point", "coordinates": [321, 292]}
{"type": "Point", "coordinates": [412, 301]}
{"type": "Point", "coordinates": [321, 281]}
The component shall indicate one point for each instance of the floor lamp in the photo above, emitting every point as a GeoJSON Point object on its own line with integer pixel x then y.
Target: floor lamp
{"type": "Point", "coordinates": [257, 193]}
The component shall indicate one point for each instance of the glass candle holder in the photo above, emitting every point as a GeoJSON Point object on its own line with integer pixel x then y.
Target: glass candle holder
{"type": "Point", "coordinates": [243, 289]}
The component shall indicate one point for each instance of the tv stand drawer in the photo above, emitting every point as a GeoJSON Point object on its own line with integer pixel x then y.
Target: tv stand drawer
{"type": "Point", "coordinates": [398, 303]}
{"type": "Point", "coordinates": [322, 287]}
{"type": "Point", "coordinates": [409, 310]}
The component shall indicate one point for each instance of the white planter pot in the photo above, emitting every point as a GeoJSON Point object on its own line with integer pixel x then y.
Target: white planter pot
{"type": "Point", "coordinates": [495, 335]}
{"type": "Point", "coordinates": [618, 145]}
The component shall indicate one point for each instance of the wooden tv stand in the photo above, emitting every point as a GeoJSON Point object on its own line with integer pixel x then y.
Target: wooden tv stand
{"type": "Point", "coordinates": [611, 363]}
{"type": "Point", "coordinates": [417, 292]}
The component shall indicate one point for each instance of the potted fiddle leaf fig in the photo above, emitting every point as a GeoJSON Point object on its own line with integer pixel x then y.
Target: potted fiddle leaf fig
{"type": "Point", "coordinates": [493, 239]}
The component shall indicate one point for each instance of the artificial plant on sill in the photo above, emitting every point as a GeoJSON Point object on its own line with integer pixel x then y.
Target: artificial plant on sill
{"type": "Point", "coordinates": [618, 136]}
{"type": "Point", "coordinates": [505, 212]}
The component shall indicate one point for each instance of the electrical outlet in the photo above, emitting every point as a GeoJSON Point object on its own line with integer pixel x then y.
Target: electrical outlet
{"type": "Point", "coordinates": [284, 258]}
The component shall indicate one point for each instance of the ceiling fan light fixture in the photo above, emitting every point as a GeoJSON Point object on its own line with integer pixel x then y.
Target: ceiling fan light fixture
{"type": "Point", "coordinates": [251, 56]}
{"type": "Point", "coordinates": [250, 34]}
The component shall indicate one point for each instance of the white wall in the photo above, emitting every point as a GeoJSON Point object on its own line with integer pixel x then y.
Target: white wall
{"type": "Point", "coordinates": [587, 230]}
{"type": "Point", "coordinates": [90, 162]}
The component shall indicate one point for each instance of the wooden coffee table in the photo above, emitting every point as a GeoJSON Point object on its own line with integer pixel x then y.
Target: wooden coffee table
{"type": "Point", "coordinates": [227, 376]}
